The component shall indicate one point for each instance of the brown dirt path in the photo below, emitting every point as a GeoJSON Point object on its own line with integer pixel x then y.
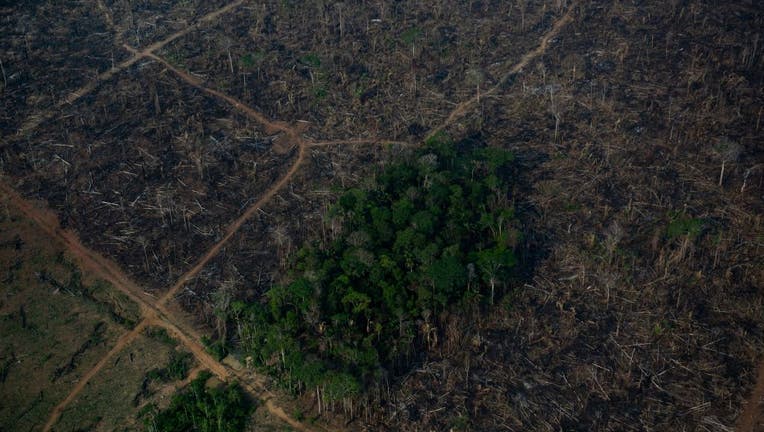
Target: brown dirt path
{"type": "Point", "coordinates": [293, 132]}
{"type": "Point", "coordinates": [154, 314]}
{"type": "Point", "coordinates": [271, 126]}
{"type": "Point", "coordinates": [465, 107]}
{"type": "Point", "coordinates": [752, 417]}
{"type": "Point", "coordinates": [189, 341]}
{"type": "Point", "coordinates": [292, 136]}
{"type": "Point", "coordinates": [234, 227]}
{"type": "Point", "coordinates": [122, 342]}
{"type": "Point", "coordinates": [90, 261]}
{"type": "Point", "coordinates": [212, 16]}
{"type": "Point", "coordinates": [37, 119]}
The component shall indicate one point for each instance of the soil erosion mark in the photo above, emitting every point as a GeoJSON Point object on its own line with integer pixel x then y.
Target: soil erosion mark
{"type": "Point", "coordinates": [202, 20]}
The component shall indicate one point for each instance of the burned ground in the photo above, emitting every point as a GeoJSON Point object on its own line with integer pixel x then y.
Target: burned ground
{"type": "Point", "coordinates": [637, 136]}
{"type": "Point", "coordinates": [647, 312]}
{"type": "Point", "coordinates": [146, 169]}
{"type": "Point", "coordinates": [261, 252]}
{"type": "Point", "coordinates": [142, 23]}
{"type": "Point", "coordinates": [48, 53]}
{"type": "Point", "coordinates": [361, 70]}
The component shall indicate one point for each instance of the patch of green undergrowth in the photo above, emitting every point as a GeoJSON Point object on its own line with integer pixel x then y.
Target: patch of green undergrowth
{"type": "Point", "coordinates": [223, 408]}
{"type": "Point", "coordinates": [683, 225]}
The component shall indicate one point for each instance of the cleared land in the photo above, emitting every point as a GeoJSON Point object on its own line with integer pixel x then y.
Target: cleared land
{"type": "Point", "coordinates": [164, 168]}
{"type": "Point", "coordinates": [637, 131]}
{"type": "Point", "coordinates": [49, 51]}
{"type": "Point", "coordinates": [259, 254]}
{"type": "Point", "coordinates": [390, 70]}
{"type": "Point", "coordinates": [639, 143]}
{"type": "Point", "coordinates": [132, 380]}
{"type": "Point", "coordinates": [56, 322]}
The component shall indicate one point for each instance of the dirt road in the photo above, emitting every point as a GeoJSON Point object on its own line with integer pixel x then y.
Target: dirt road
{"type": "Point", "coordinates": [465, 107]}
{"type": "Point", "coordinates": [34, 121]}
{"type": "Point", "coordinates": [291, 133]}
{"type": "Point", "coordinates": [122, 342]}
{"type": "Point", "coordinates": [155, 312]}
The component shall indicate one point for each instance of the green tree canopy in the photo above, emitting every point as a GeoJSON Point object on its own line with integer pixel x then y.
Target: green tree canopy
{"type": "Point", "coordinates": [433, 225]}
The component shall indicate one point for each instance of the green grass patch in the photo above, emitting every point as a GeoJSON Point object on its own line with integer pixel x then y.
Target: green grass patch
{"type": "Point", "coordinates": [176, 369]}
{"type": "Point", "coordinates": [112, 396]}
{"type": "Point", "coordinates": [411, 35]}
{"type": "Point", "coordinates": [311, 60]}
{"type": "Point", "coordinates": [683, 225]}
{"type": "Point", "coordinates": [55, 324]}
{"type": "Point", "coordinates": [160, 334]}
